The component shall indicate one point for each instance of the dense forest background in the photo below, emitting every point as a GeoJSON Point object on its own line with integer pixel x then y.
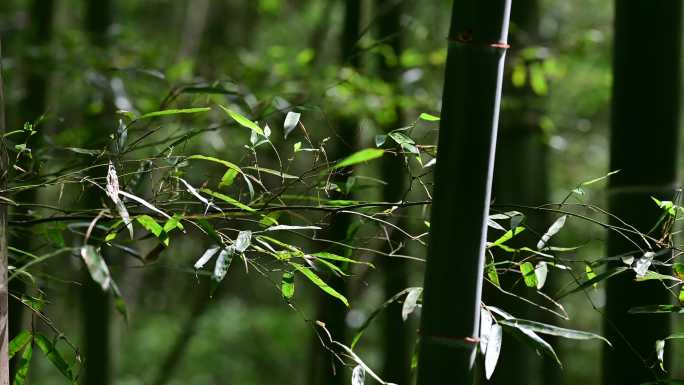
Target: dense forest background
{"type": "Point", "coordinates": [70, 65]}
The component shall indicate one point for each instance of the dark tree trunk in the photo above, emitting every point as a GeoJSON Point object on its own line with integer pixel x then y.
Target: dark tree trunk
{"type": "Point", "coordinates": [463, 180]}
{"type": "Point", "coordinates": [330, 310]}
{"type": "Point", "coordinates": [95, 303]}
{"type": "Point", "coordinates": [644, 142]}
{"type": "Point", "coordinates": [31, 108]}
{"type": "Point", "coordinates": [4, 170]}
{"type": "Point", "coordinates": [396, 343]}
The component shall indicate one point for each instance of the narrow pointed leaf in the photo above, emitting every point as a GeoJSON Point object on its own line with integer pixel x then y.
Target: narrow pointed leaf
{"type": "Point", "coordinates": [553, 230]}
{"type": "Point", "coordinates": [173, 112]}
{"type": "Point", "coordinates": [291, 122]}
{"type": "Point", "coordinates": [360, 157]}
{"type": "Point", "coordinates": [54, 356]}
{"type": "Point", "coordinates": [18, 342]}
{"type": "Point", "coordinates": [558, 331]}
{"type": "Point", "coordinates": [308, 273]}
{"type": "Point", "coordinates": [287, 285]}
{"type": "Point", "coordinates": [23, 366]}
{"type": "Point", "coordinates": [243, 121]}
{"type": "Point", "coordinates": [411, 302]}
{"type": "Point", "coordinates": [494, 339]}
{"type": "Point", "coordinates": [97, 267]}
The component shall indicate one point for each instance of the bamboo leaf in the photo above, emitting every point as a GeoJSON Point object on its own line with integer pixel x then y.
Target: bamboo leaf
{"type": "Point", "coordinates": [291, 122]}
{"type": "Point", "coordinates": [244, 239]}
{"type": "Point", "coordinates": [23, 366]}
{"type": "Point", "coordinates": [358, 375]}
{"type": "Point", "coordinates": [243, 121]}
{"type": "Point", "coordinates": [360, 157]}
{"type": "Point", "coordinates": [411, 302]}
{"type": "Point", "coordinates": [540, 273]}
{"type": "Point", "coordinates": [150, 225]}
{"type": "Point", "coordinates": [335, 257]}
{"type": "Point", "coordinates": [558, 331]}
{"type": "Point", "coordinates": [428, 118]}
{"type": "Point", "coordinates": [656, 309]}
{"type": "Point", "coordinates": [287, 285]}
{"type": "Point", "coordinates": [97, 267]}
{"type": "Point", "coordinates": [494, 339]}
{"type": "Point", "coordinates": [319, 282]}
{"type": "Point", "coordinates": [216, 160]}
{"type": "Point", "coordinates": [144, 203]}
{"type": "Point", "coordinates": [223, 261]}
{"type": "Point", "coordinates": [206, 256]}
{"type": "Point", "coordinates": [18, 343]}
{"type": "Point", "coordinates": [590, 282]}
{"type": "Point", "coordinates": [506, 237]}
{"type": "Point", "coordinates": [197, 195]}
{"type": "Point", "coordinates": [288, 227]}
{"type": "Point", "coordinates": [228, 178]}
{"type": "Point", "coordinates": [54, 356]}
{"type": "Point", "coordinates": [113, 191]}
{"type": "Point", "coordinates": [184, 111]}
{"type": "Point", "coordinates": [228, 200]}
{"type": "Point", "coordinates": [528, 272]}
{"type": "Point", "coordinates": [553, 230]}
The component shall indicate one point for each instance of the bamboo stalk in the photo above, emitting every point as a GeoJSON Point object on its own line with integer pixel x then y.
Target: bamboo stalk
{"type": "Point", "coordinates": [463, 179]}
{"type": "Point", "coordinates": [644, 142]}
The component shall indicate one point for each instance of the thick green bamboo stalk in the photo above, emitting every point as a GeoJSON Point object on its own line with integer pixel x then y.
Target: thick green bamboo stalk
{"type": "Point", "coordinates": [463, 180]}
{"type": "Point", "coordinates": [4, 170]}
{"type": "Point", "coordinates": [644, 142]}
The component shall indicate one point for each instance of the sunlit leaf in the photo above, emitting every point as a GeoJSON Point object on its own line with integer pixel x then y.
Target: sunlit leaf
{"type": "Point", "coordinates": [291, 122]}
{"type": "Point", "coordinates": [543, 328]}
{"type": "Point", "coordinates": [486, 322]}
{"type": "Point", "coordinates": [553, 230]}
{"type": "Point", "coordinates": [428, 118]}
{"type": "Point", "coordinates": [216, 160]}
{"type": "Point", "coordinates": [113, 192]}
{"type": "Point", "coordinates": [494, 339]}
{"type": "Point", "coordinates": [360, 157]}
{"type": "Point", "coordinates": [18, 342]}
{"type": "Point", "coordinates": [243, 121]}
{"type": "Point", "coordinates": [184, 111]}
{"type": "Point", "coordinates": [540, 272]}
{"type": "Point", "coordinates": [678, 269]}
{"type": "Point", "coordinates": [228, 200]}
{"type": "Point", "coordinates": [150, 224]}
{"type": "Point", "coordinates": [506, 237]}
{"type": "Point", "coordinates": [206, 256]}
{"type": "Point", "coordinates": [289, 227]}
{"type": "Point", "coordinates": [244, 239]}
{"type": "Point", "coordinates": [287, 285]}
{"type": "Point", "coordinates": [228, 178]}
{"type": "Point", "coordinates": [358, 375]}
{"type": "Point", "coordinates": [411, 302]}
{"type": "Point", "coordinates": [97, 267]}
{"type": "Point", "coordinates": [335, 257]}
{"type": "Point", "coordinates": [642, 264]}
{"type": "Point", "coordinates": [528, 272]}
{"type": "Point", "coordinates": [223, 261]}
